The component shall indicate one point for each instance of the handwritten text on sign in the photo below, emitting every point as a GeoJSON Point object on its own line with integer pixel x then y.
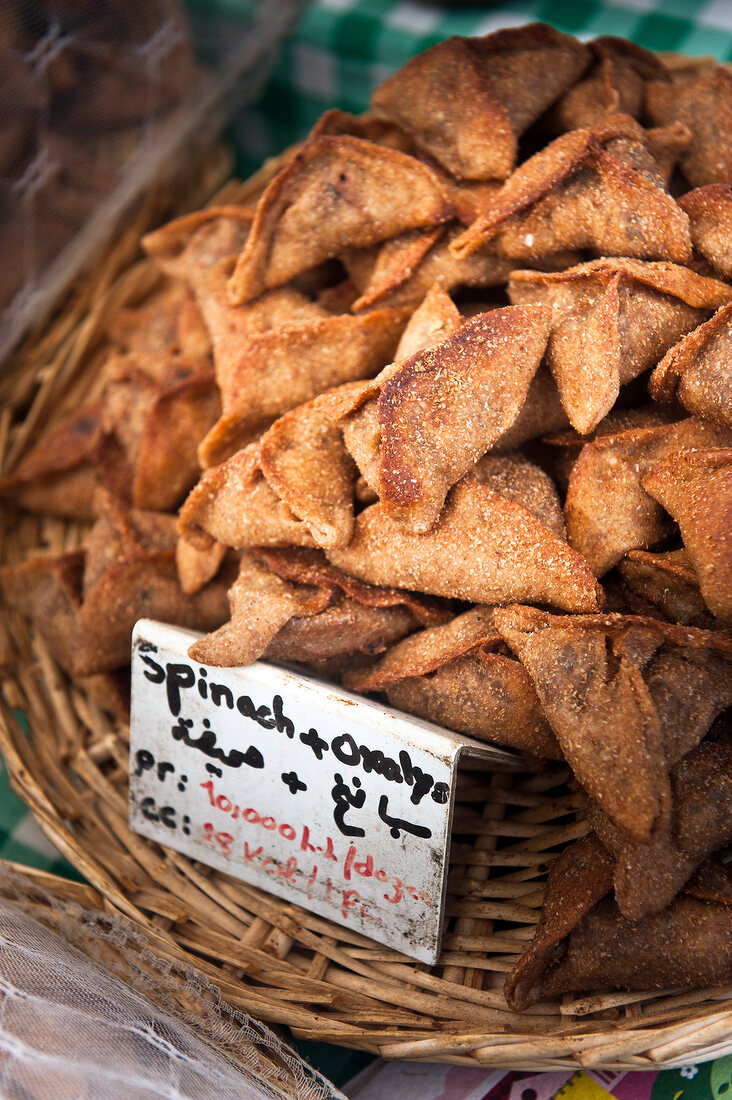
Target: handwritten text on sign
{"type": "Point", "coordinates": [318, 796]}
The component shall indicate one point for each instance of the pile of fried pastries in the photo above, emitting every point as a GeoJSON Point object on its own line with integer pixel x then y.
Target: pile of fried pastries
{"type": "Point", "coordinates": [447, 418]}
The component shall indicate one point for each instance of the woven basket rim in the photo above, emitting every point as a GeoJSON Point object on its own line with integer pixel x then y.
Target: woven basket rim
{"type": "Point", "coordinates": [272, 959]}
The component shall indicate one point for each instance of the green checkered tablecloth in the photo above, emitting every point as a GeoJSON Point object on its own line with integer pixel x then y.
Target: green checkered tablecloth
{"type": "Point", "coordinates": [340, 50]}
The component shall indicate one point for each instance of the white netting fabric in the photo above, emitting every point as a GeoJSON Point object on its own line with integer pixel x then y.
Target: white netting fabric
{"type": "Point", "coordinates": [89, 1011]}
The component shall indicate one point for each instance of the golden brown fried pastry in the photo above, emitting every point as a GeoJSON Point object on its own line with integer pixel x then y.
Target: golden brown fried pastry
{"type": "Point", "coordinates": [452, 675]}
{"type": "Point", "coordinates": [234, 504]}
{"type": "Point", "coordinates": [702, 101]}
{"type": "Point", "coordinates": [697, 370]}
{"type": "Point", "coordinates": [608, 511]}
{"type": "Point", "coordinates": [334, 123]}
{"type": "Point", "coordinates": [336, 193]}
{"type": "Point", "coordinates": [156, 411]}
{"type": "Point", "coordinates": [232, 328]}
{"type": "Point", "coordinates": [380, 269]}
{"type": "Point", "coordinates": [615, 83]}
{"type": "Point", "coordinates": [85, 604]}
{"type": "Point", "coordinates": [541, 412]}
{"type": "Point", "coordinates": [260, 603]}
{"type": "Point", "coordinates": [394, 283]}
{"type": "Point", "coordinates": [690, 688]}
{"type": "Point", "coordinates": [197, 567]}
{"type": "Point", "coordinates": [280, 369]}
{"type": "Point", "coordinates": [647, 877]}
{"type": "Point", "coordinates": [514, 476]}
{"type": "Point", "coordinates": [611, 320]}
{"type": "Point", "coordinates": [710, 215]}
{"type": "Point", "coordinates": [668, 580]}
{"type": "Point", "coordinates": [312, 567]}
{"type": "Point", "coordinates": [598, 188]}
{"type": "Point", "coordinates": [591, 674]}
{"type": "Point", "coordinates": [188, 247]}
{"type": "Point", "coordinates": [483, 548]}
{"type": "Point", "coordinates": [167, 322]}
{"type": "Point", "coordinates": [58, 475]}
{"type": "Point", "coordinates": [583, 943]}
{"type": "Point", "coordinates": [466, 101]}
{"type": "Point", "coordinates": [305, 461]}
{"type": "Point", "coordinates": [439, 411]}
{"type": "Point", "coordinates": [293, 605]}
{"type": "Point", "coordinates": [566, 445]}
{"type": "Point", "coordinates": [696, 488]}
{"type": "Point", "coordinates": [436, 318]}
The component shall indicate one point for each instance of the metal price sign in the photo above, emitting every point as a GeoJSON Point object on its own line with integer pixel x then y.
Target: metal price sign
{"type": "Point", "coordinates": [318, 796]}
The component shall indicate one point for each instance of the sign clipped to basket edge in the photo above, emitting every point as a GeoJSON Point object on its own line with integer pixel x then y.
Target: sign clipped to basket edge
{"type": "Point", "coordinates": [324, 798]}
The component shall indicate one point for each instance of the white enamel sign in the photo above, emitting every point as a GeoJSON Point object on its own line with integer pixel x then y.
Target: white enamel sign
{"type": "Point", "coordinates": [319, 796]}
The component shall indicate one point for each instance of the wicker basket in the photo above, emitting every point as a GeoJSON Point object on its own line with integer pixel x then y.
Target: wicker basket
{"type": "Point", "coordinates": [271, 959]}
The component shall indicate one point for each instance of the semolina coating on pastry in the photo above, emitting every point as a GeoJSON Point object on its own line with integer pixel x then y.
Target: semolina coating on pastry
{"type": "Point", "coordinates": [696, 488]}
{"type": "Point", "coordinates": [697, 371]}
{"type": "Point", "coordinates": [335, 193]}
{"type": "Point", "coordinates": [594, 676]}
{"type": "Point", "coordinates": [596, 188]}
{"type": "Point", "coordinates": [466, 101]}
{"type": "Point", "coordinates": [484, 548]}
{"type": "Point", "coordinates": [607, 508]}
{"type": "Point", "coordinates": [583, 942]}
{"type": "Point", "coordinates": [611, 320]}
{"type": "Point", "coordinates": [647, 877]}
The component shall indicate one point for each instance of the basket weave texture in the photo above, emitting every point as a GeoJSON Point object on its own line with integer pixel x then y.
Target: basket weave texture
{"type": "Point", "coordinates": [271, 959]}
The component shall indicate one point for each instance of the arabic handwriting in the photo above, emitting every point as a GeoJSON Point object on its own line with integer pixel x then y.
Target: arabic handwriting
{"type": "Point", "coordinates": [206, 744]}
{"type": "Point", "coordinates": [397, 824]}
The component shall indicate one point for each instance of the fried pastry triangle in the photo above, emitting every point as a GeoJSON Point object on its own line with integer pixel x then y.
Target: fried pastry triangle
{"type": "Point", "coordinates": [583, 943]}
{"type": "Point", "coordinates": [515, 477]}
{"type": "Point", "coordinates": [668, 581]}
{"type": "Point", "coordinates": [585, 190]}
{"type": "Point", "coordinates": [696, 488]}
{"type": "Point", "coordinates": [293, 605]}
{"type": "Point", "coordinates": [167, 322]}
{"type": "Point", "coordinates": [197, 567]}
{"type": "Point", "coordinates": [58, 475]}
{"type": "Point", "coordinates": [466, 101]}
{"type": "Point", "coordinates": [710, 214]}
{"type": "Point", "coordinates": [305, 461]}
{"type": "Point", "coordinates": [188, 247]}
{"type": "Point", "coordinates": [439, 411]}
{"type": "Point", "coordinates": [260, 603]}
{"type": "Point", "coordinates": [607, 509]}
{"type": "Point", "coordinates": [611, 320]}
{"type": "Point", "coordinates": [690, 687]}
{"type": "Point", "coordinates": [155, 415]}
{"type": "Point", "coordinates": [702, 102]}
{"type": "Point", "coordinates": [380, 269]}
{"type": "Point", "coordinates": [451, 675]}
{"type": "Point", "coordinates": [393, 283]}
{"type": "Point", "coordinates": [234, 504]}
{"type": "Point", "coordinates": [590, 676]}
{"type": "Point", "coordinates": [484, 548]}
{"type": "Point", "coordinates": [696, 371]}
{"type": "Point", "coordinates": [283, 368]}
{"type": "Point", "coordinates": [85, 604]}
{"type": "Point", "coordinates": [436, 318]}
{"type": "Point", "coordinates": [541, 412]}
{"type": "Point", "coordinates": [336, 193]}
{"type": "Point", "coordinates": [615, 83]}
{"type": "Point", "coordinates": [647, 877]}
